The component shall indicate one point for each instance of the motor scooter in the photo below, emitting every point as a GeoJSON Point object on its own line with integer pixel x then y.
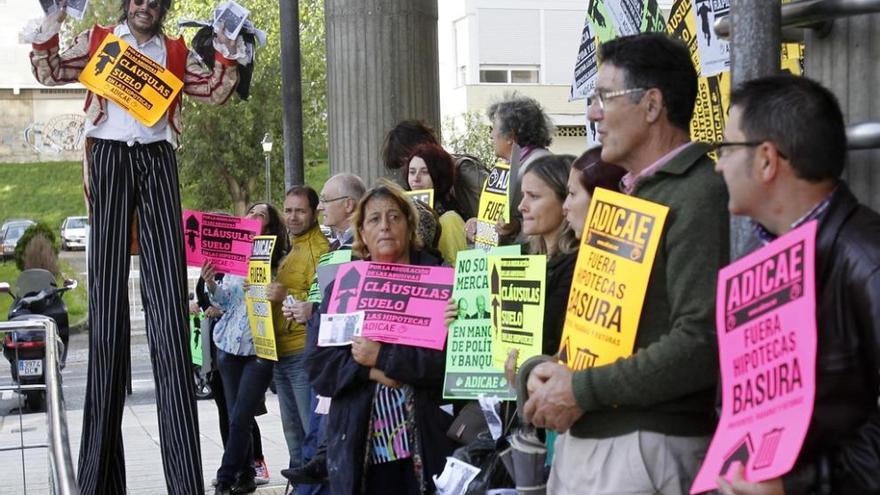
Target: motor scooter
{"type": "Point", "coordinates": [36, 293]}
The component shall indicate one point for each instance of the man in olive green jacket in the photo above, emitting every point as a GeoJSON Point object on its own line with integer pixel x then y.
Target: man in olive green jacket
{"type": "Point", "coordinates": [649, 416]}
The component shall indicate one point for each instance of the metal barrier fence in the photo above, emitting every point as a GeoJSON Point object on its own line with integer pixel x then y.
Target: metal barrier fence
{"type": "Point", "coordinates": [61, 477]}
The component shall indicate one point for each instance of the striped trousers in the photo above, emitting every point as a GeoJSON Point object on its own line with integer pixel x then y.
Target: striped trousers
{"type": "Point", "coordinates": [122, 179]}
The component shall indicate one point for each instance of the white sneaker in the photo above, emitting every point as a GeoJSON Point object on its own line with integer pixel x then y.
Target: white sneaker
{"type": "Point", "coordinates": [262, 472]}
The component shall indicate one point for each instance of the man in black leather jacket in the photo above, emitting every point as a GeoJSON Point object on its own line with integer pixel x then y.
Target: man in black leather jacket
{"type": "Point", "coordinates": [782, 158]}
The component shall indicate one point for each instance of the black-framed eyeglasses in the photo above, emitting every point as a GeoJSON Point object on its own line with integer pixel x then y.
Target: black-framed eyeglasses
{"type": "Point", "coordinates": [153, 4]}
{"type": "Point", "coordinates": [720, 147]}
{"type": "Point", "coordinates": [325, 201]}
{"type": "Point", "coordinates": [602, 96]}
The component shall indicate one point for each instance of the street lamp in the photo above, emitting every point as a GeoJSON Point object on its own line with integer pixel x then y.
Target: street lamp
{"type": "Point", "coordinates": [267, 150]}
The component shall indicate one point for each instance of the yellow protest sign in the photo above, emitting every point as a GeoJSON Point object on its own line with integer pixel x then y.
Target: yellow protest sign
{"type": "Point", "coordinates": [259, 308]}
{"type": "Point", "coordinates": [517, 285]}
{"type": "Point", "coordinates": [710, 112]}
{"type": "Point", "coordinates": [493, 205]}
{"type": "Point", "coordinates": [620, 240]}
{"type": "Point", "coordinates": [424, 195]}
{"type": "Point", "coordinates": [130, 79]}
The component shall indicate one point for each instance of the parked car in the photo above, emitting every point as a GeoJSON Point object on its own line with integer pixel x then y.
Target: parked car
{"type": "Point", "coordinates": [74, 233]}
{"type": "Point", "coordinates": [11, 221]}
{"type": "Point", "coordinates": [11, 232]}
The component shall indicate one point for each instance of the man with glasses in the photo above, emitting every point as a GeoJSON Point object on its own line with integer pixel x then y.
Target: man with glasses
{"type": "Point", "coordinates": [338, 200]}
{"type": "Point", "coordinates": [643, 423]}
{"type": "Point", "coordinates": [782, 158]}
{"type": "Point", "coordinates": [132, 168]}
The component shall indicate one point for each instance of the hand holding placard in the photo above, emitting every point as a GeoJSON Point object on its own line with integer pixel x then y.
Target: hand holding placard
{"type": "Point", "coordinates": [739, 486]}
{"type": "Point", "coordinates": [365, 351]}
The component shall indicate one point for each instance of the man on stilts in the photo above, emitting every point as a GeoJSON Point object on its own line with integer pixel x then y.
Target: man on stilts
{"type": "Point", "coordinates": [131, 170]}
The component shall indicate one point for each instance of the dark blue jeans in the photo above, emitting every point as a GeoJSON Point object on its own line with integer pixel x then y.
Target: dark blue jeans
{"type": "Point", "coordinates": [245, 380]}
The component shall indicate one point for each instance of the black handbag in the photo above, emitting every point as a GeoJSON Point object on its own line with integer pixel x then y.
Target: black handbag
{"type": "Point", "coordinates": [469, 423]}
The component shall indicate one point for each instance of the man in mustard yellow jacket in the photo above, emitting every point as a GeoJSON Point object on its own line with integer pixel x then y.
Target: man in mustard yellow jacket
{"type": "Point", "coordinates": [294, 279]}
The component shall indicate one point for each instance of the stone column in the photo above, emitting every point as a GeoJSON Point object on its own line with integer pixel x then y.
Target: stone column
{"type": "Point", "coordinates": [382, 67]}
{"type": "Point", "coordinates": [847, 61]}
{"type": "Point", "coordinates": [755, 45]}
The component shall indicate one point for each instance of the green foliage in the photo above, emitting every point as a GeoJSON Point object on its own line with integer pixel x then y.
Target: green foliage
{"type": "Point", "coordinates": [39, 228]}
{"type": "Point", "coordinates": [221, 158]}
{"type": "Point", "coordinates": [43, 192]}
{"type": "Point", "coordinates": [469, 133]}
{"type": "Point", "coordinates": [317, 173]}
{"type": "Point", "coordinates": [221, 161]}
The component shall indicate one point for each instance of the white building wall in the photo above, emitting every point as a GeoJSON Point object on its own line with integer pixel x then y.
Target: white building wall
{"type": "Point", "coordinates": [513, 34]}
{"type": "Point", "coordinates": [37, 123]}
{"type": "Point", "coordinates": [498, 33]}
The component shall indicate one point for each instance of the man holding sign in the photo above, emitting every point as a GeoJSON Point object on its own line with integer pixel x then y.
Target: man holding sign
{"type": "Point", "coordinates": [132, 128]}
{"type": "Point", "coordinates": [655, 405]}
{"type": "Point", "coordinates": [782, 157]}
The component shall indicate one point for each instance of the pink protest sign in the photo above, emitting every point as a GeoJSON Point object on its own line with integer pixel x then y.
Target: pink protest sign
{"type": "Point", "coordinates": [401, 304]}
{"type": "Point", "coordinates": [223, 239]}
{"type": "Point", "coordinates": [766, 323]}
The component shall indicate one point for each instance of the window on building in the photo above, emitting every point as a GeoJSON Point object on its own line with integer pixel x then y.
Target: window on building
{"type": "Point", "coordinates": [509, 75]}
{"type": "Point", "coordinates": [524, 76]}
{"type": "Point", "coordinates": [493, 76]}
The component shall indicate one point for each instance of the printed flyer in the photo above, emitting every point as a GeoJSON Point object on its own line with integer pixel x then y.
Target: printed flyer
{"type": "Point", "coordinates": [517, 286]}
{"type": "Point", "coordinates": [424, 195]}
{"type": "Point", "coordinates": [714, 51]}
{"type": "Point", "coordinates": [402, 304]}
{"type": "Point", "coordinates": [767, 341]}
{"type": "Point", "coordinates": [620, 239]}
{"type": "Point", "coordinates": [259, 308]}
{"type": "Point", "coordinates": [130, 79]}
{"type": "Point", "coordinates": [608, 19]}
{"type": "Point", "coordinates": [225, 240]}
{"type": "Point", "coordinates": [470, 370]}
{"type": "Point", "coordinates": [493, 205]}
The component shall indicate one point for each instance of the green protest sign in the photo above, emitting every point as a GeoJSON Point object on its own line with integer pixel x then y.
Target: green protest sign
{"type": "Point", "coordinates": [517, 286]}
{"type": "Point", "coordinates": [195, 339]}
{"type": "Point", "coordinates": [469, 368]}
{"type": "Point", "coordinates": [325, 272]}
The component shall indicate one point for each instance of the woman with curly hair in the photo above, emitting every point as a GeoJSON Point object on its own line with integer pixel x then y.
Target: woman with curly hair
{"type": "Point", "coordinates": [519, 124]}
{"type": "Point", "coordinates": [520, 120]}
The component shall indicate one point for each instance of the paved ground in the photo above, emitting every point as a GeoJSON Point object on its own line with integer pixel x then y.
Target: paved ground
{"type": "Point", "coordinates": [140, 425]}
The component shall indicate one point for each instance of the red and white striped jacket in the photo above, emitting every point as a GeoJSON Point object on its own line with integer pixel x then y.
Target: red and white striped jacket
{"type": "Point", "coordinates": [52, 67]}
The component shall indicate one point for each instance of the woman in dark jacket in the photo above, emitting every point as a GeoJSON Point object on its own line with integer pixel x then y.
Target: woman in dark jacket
{"type": "Point", "coordinates": [544, 189]}
{"type": "Point", "coordinates": [385, 431]}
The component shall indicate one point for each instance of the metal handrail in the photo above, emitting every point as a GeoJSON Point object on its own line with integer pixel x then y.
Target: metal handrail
{"type": "Point", "coordinates": [863, 136]}
{"type": "Point", "coordinates": [814, 14]}
{"type": "Point", "coordinates": [61, 477]}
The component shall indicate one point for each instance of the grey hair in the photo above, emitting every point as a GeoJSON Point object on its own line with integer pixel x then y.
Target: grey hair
{"type": "Point", "coordinates": [350, 185]}
{"type": "Point", "coordinates": [523, 119]}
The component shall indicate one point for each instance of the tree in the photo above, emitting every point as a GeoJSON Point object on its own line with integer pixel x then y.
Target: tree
{"type": "Point", "coordinates": [469, 133]}
{"type": "Point", "coordinates": [220, 148]}
{"type": "Point", "coordinates": [220, 158]}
